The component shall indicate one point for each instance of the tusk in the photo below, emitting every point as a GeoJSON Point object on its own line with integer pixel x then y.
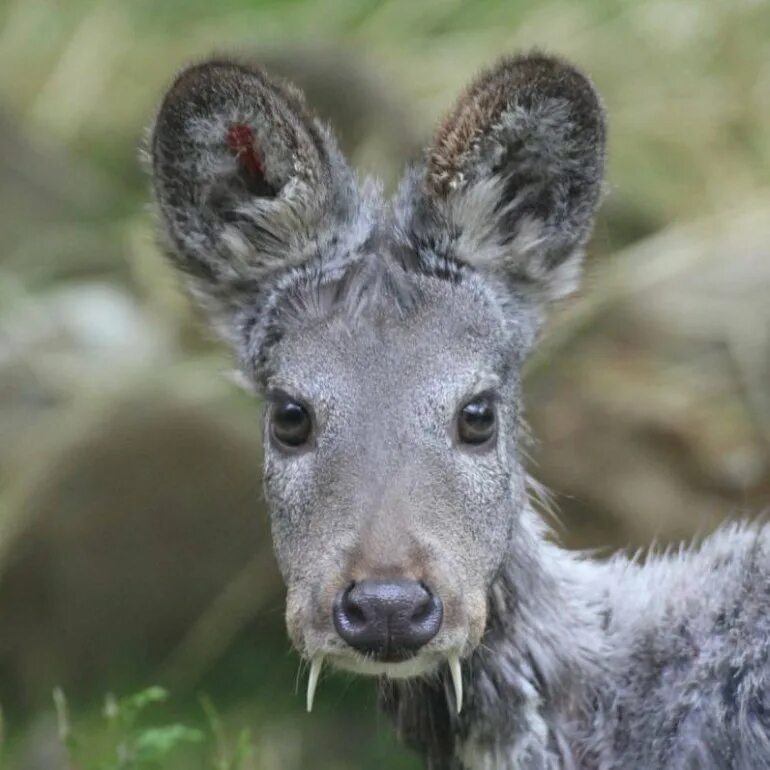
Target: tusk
{"type": "Point", "coordinates": [312, 681]}
{"type": "Point", "coordinates": [457, 679]}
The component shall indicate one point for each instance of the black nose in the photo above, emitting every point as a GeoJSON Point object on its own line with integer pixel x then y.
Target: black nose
{"type": "Point", "coordinates": [390, 619]}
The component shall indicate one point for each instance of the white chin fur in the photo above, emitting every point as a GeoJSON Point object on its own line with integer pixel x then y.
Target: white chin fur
{"type": "Point", "coordinates": [407, 669]}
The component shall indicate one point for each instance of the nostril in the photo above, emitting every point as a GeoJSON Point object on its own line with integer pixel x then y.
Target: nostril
{"type": "Point", "coordinates": [423, 605]}
{"type": "Point", "coordinates": [356, 614]}
{"type": "Point", "coordinates": [352, 615]}
{"type": "Point", "coordinates": [353, 608]}
{"type": "Point", "coordinates": [425, 621]}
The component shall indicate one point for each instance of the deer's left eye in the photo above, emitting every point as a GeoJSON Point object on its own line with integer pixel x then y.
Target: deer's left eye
{"type": "Point", "coordinates": [477, 421]}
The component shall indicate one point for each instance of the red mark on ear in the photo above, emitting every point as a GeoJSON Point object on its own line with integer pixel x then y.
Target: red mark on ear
{"type": "Point", "coordinates": [240, 140]}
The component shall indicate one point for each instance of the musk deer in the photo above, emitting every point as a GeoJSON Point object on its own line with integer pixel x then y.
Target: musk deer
{"type": "Point", "coordinates": [388, 339]}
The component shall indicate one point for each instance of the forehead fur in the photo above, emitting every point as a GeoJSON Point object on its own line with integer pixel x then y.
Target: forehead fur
{"type": "Point", "coordinates": [383, 291]}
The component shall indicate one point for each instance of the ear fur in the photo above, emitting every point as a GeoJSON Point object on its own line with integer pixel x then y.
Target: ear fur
{"type": "Point", "coordinates": [514, 175]}
{"type": "Point", "coordinates": [247, 182]}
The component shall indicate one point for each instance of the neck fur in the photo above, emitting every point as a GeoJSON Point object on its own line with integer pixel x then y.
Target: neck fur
{"type": "Point", "coordinates": [527, 685]}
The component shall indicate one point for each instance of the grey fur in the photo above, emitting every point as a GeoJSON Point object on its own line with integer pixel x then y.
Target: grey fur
{"type": "Point", "coordinates": [384, 320]}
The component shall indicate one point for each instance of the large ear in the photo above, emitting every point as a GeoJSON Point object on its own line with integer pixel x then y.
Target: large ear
{"type": "Point", "coordinates": [247, 182]}
{"type": "Point", "coordinates": [514, 175]}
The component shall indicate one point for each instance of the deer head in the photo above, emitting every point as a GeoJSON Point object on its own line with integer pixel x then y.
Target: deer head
{"type": "Point", "coordinates": [386, 337]}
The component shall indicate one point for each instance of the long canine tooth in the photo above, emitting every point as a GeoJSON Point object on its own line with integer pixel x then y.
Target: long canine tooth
{"type": "Point", "coordinates": [312, 680]}
{"type": "Point", "coordinates": [457, 679]}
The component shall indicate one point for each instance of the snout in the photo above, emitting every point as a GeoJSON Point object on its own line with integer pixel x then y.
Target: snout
{"type": "Point", "coordinates": [387, 619]}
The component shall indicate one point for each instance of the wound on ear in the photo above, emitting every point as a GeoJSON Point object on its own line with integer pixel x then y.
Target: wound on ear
{"type": "Point", "coordinates": [240, 140]}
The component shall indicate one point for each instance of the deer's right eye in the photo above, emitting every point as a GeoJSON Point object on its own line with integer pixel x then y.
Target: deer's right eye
{"type": "Point", "coordinates": [290, 423]}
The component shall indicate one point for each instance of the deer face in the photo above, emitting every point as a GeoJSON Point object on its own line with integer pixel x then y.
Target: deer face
{"type": "Point", "coordinates": [387, 339]}
{"type": "Point", "coordinates": [392, 471]}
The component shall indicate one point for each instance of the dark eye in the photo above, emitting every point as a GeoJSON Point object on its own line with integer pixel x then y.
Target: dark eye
{"type": "Point", "coordinates": [476, 423]}
{"type": "Point", "coordinates": [290, 423]}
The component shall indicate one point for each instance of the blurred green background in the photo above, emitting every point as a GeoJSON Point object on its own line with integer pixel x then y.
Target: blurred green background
{"type": "Point", "coordinates": [133, 540]}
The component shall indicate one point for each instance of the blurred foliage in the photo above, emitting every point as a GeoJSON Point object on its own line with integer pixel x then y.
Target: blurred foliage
{"type": "Point", "coordinates": [133, 747]}
{"type": "Point", "coordinates": [130, 548]}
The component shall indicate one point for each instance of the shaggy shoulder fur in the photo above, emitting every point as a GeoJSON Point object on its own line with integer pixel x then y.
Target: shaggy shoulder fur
{"type": "Point", "coordinates": [610, 666]}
